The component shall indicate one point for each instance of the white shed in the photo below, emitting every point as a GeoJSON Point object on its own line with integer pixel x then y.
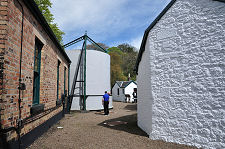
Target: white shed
{"type": "Point", "coordinates": [181, 74]}
{"type": "Point", "coordinates": [122, 88]}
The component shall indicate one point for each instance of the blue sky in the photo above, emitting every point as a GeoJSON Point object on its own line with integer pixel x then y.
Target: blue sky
{"type": "Point", "coordinates": [111, 22]}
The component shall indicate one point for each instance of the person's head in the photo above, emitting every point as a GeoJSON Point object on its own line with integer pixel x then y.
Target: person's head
{"type": "Point", "coordinates": [105, 92]}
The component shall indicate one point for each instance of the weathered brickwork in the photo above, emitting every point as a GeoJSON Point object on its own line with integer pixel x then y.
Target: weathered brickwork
{"type": "Point", "coordinates": [10, 43]}
{"type": "Point", "coordinates": [30, 126]}
{"type": "Point", "coordinates": [185, 54]}
{"type": "Point", "coordinates": [3, 42]}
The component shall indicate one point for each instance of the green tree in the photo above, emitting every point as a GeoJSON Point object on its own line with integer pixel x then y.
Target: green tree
{"type": "Point", "coordinates": [116, 62]}
{"type": "Point", "coordinates": [115, 50]}
{"type": "Point", "coordinates": [44, 6]}
{"type": "Point", "coordinates": [128, 59]}
{"type": "Point", "coordinates": [93, 47]}
{"type": "Point", "coordinates": [126, 48]}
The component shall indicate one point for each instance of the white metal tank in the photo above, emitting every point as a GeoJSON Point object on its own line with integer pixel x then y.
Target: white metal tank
{"type": "Point", "coordinates": [97, 78]}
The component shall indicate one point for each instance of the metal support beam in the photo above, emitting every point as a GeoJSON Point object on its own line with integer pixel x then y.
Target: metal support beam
{"type": "Point", "coordinates": [85, 56]}
{"type": "Point", "coordinates": [75, 76]}
{"type": "Point", "coordinates": [73, 42]}
{"type": "Point", "coordinates": [96, 45]}
{"type": "Point", "coordinates": [81, 67]}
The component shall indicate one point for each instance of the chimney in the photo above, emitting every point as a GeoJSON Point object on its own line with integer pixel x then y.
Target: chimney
{"type": "Point", "coordinates": [129, 77]}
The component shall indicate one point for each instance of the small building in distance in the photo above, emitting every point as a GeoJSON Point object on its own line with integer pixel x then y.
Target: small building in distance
{"type": "Point", "coordinates": [33, 74]}
{"type": "Point", "coordinates": [122, 89]}
{"type": "Point", "coordinates": [181, 74]}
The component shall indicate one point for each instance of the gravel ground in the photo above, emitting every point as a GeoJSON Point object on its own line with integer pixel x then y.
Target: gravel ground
{"type": "Point", "coordinates": [93, 130]}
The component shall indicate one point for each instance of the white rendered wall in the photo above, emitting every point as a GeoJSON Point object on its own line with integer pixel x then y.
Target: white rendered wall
{"type": "Point", "coordinates": [73, 55]}
{"type": "Point", "coordinates": [116, 97]}
{"type": "Point", "coordinates": [130, 89]}
{"type": "Point", "coordinates": [115, 92]}
{"type": "Point", "coordinates": [97, 78]}
{"type": "Point", "coordinates": [181, 96]}
{"type": "Point", "coordinates": [144, 93]}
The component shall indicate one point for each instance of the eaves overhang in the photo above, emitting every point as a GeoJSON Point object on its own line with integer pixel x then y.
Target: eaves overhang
{"type": "Point", "coordinates": [32, 6]}
{"type": "Point", "coordinates": [145, 37]}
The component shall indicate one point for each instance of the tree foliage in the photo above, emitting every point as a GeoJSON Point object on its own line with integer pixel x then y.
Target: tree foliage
{"type": "Point", "coordinates": [128, 59]}
{"type": "Point", "coordinates": [116, 62]}
{"type": "Point", "coordinates": [44, 6]}
{"type": "Point", "coordinates": [126, 48]}
{"type": "Point", "coordinates": [93, 47]}
{"type": "Point", "coordinates": [123, 59]}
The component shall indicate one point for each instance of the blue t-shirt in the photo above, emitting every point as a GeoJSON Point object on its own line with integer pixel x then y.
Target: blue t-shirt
{"type": "Point", "coordinates": [106, 97]}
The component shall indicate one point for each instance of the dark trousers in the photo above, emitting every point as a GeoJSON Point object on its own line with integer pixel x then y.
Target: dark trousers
{"type": "Point", "coordinates": [106, 107]}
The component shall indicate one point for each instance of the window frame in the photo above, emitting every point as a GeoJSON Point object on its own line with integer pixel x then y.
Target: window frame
{"type": "Point", "coordinates": [58, 68]}
{"type": "Point", "coordinates": [37, 69]}
{"type": "Point", "coordinates": [65, 80]}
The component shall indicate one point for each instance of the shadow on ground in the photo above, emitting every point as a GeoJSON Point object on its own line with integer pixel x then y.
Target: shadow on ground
{"type": "Point", "coordinates": [132, 107]}
{"type": "Point", "coordinates": [126, 123]}
{"type": "Point", "coordinates": [99, 113]}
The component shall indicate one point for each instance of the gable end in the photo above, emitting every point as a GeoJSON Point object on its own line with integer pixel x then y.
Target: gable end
{"type": "Point", "coordinates": [142, 48]}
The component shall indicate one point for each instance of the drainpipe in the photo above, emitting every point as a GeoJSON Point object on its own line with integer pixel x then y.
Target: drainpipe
{"type": "Point", "coordinates": [21, 85]}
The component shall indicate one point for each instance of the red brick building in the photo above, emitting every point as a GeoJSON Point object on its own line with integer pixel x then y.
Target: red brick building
{"type": "Point", "coordinates": [33, 74]}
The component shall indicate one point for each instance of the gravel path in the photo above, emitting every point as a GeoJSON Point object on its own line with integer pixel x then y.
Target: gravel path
{"type": "Point", "coordinates": [93, 130]}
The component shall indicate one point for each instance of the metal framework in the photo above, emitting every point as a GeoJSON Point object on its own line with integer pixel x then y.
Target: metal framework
{"type": "Point", "coordinates": [81, 67]}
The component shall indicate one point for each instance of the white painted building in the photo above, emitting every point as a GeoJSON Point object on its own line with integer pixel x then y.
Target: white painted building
{"type": "Point", "coordinates": [122, 88]}
{"type": "Point", "coordinates": [181, 75]}
{"type": "Point", "coordinates": [97, 79]}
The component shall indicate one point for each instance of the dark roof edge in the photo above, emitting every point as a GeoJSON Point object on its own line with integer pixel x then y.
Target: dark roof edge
{"type": "Point", "coordinates": [144, 39]}
{"type": "Point", "coordinates": [115, 84]}
{"type": "Point", "coordinates": [32, 6]}
{"type": "Point", "coordinates": [223, 1]}
{"type": "Point", "coordinates": [129, 83]}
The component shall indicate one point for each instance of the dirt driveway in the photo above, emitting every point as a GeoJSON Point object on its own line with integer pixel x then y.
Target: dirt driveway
{"type": "Point", "coordinates": [93, 130]}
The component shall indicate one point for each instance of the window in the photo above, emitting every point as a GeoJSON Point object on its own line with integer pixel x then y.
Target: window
{"type": "Point", "coordinates": [118, 91]}
{"type": "Point", "coordinates": [58, 80]}
{"type": "Point", "coordinates": [123, 91]}
{"type": "Point", "coordinates": [37, 68]}
{"type": "Point", "coordinates": [64, 80]}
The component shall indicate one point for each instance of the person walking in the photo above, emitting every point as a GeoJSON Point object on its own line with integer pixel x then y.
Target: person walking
{"type": "Point", "coordinates": [135, 96]}
{"type": "Point", "coordinates": [105, 102]}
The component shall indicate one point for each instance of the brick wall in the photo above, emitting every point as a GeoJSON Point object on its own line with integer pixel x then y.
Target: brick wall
{"type": "Point", "coordinates": [10, 34]}
{"type": "Point", "coordinates": [185, 57]}
{"type": "Point", "coordinates": [3, 45]}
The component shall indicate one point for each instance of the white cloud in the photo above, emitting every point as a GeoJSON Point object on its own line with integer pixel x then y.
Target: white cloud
{"type": "Point", "coordinates": [109, 21]}
{"type": "Point", "coordinates": [136, 42]}
{"type": "Point", "coordinates": [98, 14]}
